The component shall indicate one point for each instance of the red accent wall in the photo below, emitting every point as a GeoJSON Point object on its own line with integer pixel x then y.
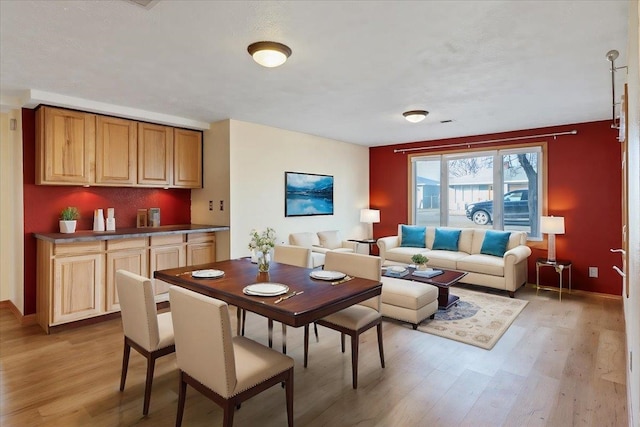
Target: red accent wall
{"type": "Point", "coordinates": [43, 203]}
{"type": "Point", "coordinates": [584, 186]}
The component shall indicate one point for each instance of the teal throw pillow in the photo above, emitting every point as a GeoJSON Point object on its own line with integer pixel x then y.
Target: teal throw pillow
{"type": "Point", "coordinates": [495, 242]}
{"type": "Point", "coordinates": [446, 240]}
{"type": "Point", "coordinates": [413, 236]}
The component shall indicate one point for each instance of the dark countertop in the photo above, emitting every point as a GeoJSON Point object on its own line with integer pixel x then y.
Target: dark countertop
{"type": "Point", "coordinates": [128, 233]}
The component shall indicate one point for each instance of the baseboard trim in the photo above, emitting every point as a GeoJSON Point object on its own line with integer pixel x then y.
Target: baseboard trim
{"type": "Point", "coordinates": [28, 320]}
{"type": "Point", "coordinates": [576, 292]}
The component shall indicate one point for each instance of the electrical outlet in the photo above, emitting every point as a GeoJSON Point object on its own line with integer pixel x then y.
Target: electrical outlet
{"type": "Point", "coordinates": [221, 205]}
{"type": "Point", "coordinates": [210, 205]}
{"type": "Point", "coordinates": [593, 271]}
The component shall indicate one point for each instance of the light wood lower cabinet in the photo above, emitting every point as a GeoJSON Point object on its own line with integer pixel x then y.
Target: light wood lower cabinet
{"type": "Point", "coordinates": [125, 254]}
{"type": "Point", "coordinates": [77, 287]}
{"type": "Point", "coordinates": [76, 281]}
{"type": "Point", "coordinates": [201, 248]}
{"type": "Point", "coordinates": [166, 252]}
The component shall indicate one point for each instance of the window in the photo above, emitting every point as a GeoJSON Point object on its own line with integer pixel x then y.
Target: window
{"type": "Point", "coordinates": [499, 189]}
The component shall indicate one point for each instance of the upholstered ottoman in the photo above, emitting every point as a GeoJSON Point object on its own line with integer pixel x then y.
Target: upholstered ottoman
{"type": "Point", "coordinates": [408, 301]}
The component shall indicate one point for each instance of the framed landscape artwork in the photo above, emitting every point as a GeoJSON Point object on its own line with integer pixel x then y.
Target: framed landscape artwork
{"type": "Point", "coordinates": [307, 194]}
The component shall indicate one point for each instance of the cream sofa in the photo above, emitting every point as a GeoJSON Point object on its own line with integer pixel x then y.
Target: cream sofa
{"type": "Point", "coordinates": [322, 242]}
{"type": "Point", "coordinates": [508, 272]}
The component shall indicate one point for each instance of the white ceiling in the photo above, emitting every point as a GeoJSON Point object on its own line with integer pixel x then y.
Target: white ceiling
{"type": "Point", "coordinates": [489, 66]}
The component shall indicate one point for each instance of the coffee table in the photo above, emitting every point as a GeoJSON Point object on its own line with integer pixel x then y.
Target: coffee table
{"type": "Point", "coordinates": [442, 281]}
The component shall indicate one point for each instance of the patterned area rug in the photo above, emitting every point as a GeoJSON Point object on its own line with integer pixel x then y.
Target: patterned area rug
{"type": "Point", "coordinates": [479, 319]}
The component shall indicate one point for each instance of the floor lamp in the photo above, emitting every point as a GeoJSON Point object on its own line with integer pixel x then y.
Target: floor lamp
{"type": "Point", "coordinates": [370, 216]}
{"type": "Point", "coordinates": [552, 225]}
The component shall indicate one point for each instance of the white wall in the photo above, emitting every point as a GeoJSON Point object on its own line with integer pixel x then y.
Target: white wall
{"type": "Point", "coordinates": [12, 212]}
{"type": "Point", "coordinates": [215, 172]}
{"type": "Point", "coordinates": [259, 156]}
{"type": "Point", "coordinates": [632, 304]}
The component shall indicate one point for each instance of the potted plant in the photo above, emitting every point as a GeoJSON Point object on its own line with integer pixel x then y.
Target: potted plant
{"type": "Point", "coordinates": [420, 261]}
{"type": "Point", "coordinates": [68, 218]}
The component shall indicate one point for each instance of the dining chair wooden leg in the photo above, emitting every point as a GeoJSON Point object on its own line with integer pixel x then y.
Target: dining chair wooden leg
{"type": "Point", "coordinates": [315, 329]}
{"type": "Point", "coordinates": [354, 359]}
{"type": "Point", "coordinates": [289, 396]}
{"type": "Point", "coordinates": [151, 363]}
{"type": "Point", "coordinates": [239, 319]}
{"type": "Point", "coordinates": [342, 340]}
{"type": "Point", "coordinates": [229, 409]}
{"type": "Point", "coordinates": [380, 348]}
{"type": "Point", "coordinates": [306, 344]}
{"type": "Point", "coordinates": [182, 395]}
{"type": "Point", "coordinates": [244, 320]}
{"type": "Point", "coordinates": [270, 328]}
{"type": "Point", "coordinates": [125, 363]}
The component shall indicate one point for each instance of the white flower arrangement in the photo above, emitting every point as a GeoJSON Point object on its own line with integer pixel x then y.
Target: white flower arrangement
{"type": "Point", "coordinates": [262, 243]}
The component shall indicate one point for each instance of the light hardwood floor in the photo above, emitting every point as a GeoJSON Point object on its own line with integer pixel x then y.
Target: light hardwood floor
{"type": "Point", "coordinates": [559, 364]}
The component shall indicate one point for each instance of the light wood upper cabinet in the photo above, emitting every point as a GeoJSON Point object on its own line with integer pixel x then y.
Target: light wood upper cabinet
{"type": "Point", "coordinates": [155, 154]}
{"type": "Point", "coordinates": [187, 158]}
{"type": "Point", "coordinates": [65, 145]}
{"type": "Point", "coordinates": [116, 151]}
{"type": "Point", "coordinates": [77, 148]}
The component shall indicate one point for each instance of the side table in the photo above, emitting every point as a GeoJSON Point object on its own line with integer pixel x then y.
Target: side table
{"type": "Point", "coordinates": [369, 242]}
{"type": "Point", "coordinates": [558, 265]}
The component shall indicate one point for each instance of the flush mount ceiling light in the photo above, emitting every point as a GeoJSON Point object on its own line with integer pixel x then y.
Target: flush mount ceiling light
{"type": "Point", "coordinates": [269, 54]}
{"type": "Point", "coordinates": [415, 116]}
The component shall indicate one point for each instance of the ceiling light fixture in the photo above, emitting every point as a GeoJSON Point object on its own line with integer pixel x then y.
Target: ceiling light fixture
{"type": "Point", "coordinates": [269, 54]}
{"type": "Point", "coordinates": [415, 116]}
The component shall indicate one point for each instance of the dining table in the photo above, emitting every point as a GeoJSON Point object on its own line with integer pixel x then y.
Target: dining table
{"type": "Point", "coordinates": [313, 299]}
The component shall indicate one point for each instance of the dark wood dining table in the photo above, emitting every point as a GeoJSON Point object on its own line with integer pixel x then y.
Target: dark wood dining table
{"type": "Point", "coordinates": [319, 298]}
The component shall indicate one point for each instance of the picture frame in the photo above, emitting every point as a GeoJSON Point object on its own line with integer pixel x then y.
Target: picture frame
{"type": "Point", "coordinates": [307, 194]}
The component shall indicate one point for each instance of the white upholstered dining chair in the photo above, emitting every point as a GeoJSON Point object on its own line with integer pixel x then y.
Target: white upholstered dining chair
{"type": "Point", "coordinates": [226, 369]}
{"type": "Point", "coordinates": [149, 333]}
{"type": "Point", "coordinates": [358, 318]}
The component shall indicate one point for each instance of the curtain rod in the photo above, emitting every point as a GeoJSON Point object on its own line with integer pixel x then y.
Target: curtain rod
{"type": "Point", "coordinates": [469, 144]}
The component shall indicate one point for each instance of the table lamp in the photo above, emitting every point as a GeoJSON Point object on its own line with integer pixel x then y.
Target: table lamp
{"type": "Point", "coordinates": [370, 216]}
{"type": "Point", "coordinates": [552, 225]}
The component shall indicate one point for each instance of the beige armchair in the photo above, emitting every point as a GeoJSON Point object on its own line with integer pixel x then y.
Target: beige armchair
{"type": "Point", "coordinates": [322, 242]}
{"type": "Point", "coordinates": [226, 369]}
{"type": "Point", "coordinates": [358, 318]}
{"type": "Point", "coordinates": [149, 333]}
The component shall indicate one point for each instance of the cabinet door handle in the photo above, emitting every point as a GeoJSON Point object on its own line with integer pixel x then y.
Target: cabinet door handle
{"type": "Point", "coordinates": [622, 251]}
{"type": "Point", "coordinates": [620, 272]}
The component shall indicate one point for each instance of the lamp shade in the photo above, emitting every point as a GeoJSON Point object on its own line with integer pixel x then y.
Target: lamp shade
{"type": "Point", "coordinates": [369, 215]}
{"type": "Point", "coordinates": [552, 224]}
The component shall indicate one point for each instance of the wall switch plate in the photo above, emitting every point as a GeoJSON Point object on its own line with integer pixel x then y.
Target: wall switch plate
{"type": "Point", "coordinates": [593, 271]}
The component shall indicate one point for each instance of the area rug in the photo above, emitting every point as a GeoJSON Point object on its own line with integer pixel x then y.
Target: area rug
{"type": "Point", "coordinates": [479, 319]}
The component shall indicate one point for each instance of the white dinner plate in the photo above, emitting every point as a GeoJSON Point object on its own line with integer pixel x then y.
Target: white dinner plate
{"type": "Point", "coordinates": [207, 274]}
{"type": "Point", "coordinates": [327, 275]}
{"type": "Point", "coordinates": [266, 289]}
{"type": "Point", "coordinates": [396, 268]}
